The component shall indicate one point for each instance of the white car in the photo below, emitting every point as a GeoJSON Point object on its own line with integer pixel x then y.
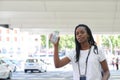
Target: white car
{"type": "Point", "coordinates": [11, 65]}
{"type": "Point", "coordinates": [5, 72]}
{"type": "Point", "coordinates": [35, 64]}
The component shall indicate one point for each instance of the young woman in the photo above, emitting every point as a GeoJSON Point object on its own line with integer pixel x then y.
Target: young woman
{"type": "Point", "coordinates": [88, 61]}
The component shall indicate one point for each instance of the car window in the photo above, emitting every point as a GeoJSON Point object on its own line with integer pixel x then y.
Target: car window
{"type": "Point", "coordinates": [2, 61]}
{"type": "Point", "coordinates": [7, 61]}
{"type": "Point", "coordinates": [31, 60]}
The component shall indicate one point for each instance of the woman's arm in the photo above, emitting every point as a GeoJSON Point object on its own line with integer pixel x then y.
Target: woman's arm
{"type": "Point", "coordinates": [57, 61]}
{"type": "Point", "coordinates": [106, 72]}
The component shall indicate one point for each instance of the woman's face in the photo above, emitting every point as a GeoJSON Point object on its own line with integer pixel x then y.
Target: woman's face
{"type": "Point", "coordinates": [81, 35]}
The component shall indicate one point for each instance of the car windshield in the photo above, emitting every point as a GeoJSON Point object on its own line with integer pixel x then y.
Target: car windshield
{"type": "Point", "coordinates": [32, 60]}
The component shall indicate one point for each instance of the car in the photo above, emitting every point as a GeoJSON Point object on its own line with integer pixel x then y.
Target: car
{"type": "Point", "coordinates": [35, 64]}
{"type": "Point", "coordinates": [11, 65]}
{"type": "Point", "coordinates": [17, 64]}
{"type": "Point", "coordinates": [5, 72]}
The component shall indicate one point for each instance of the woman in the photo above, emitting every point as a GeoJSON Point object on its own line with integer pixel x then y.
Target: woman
{"type": "Point", "coordinates": [88, 61]}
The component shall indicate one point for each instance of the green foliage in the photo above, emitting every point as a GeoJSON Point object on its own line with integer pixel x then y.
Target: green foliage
{"type": "Point", "coordinates": [43, 40]}
{"type": "Point", "coordinates": [66, 41]}
{"type": "Point", "coordinates": [114, 40]}
{"type": "Point", "coordinates": [105, 41]}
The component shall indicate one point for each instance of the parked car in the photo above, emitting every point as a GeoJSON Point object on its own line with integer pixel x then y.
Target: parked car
{"type": "Point", "coordinates": [11, 65]}
{"type": "Point", "coordinates": [5, 72]}
{"type": "Point", "coordinates": [35, 64]}
{"type": "Point", "coordinates": [17, 64]}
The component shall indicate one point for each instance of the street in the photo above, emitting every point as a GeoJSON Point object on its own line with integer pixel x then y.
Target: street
{"type": "Point", "coordinates": [115, 75]}
{"type": "Point", "coordinates": [51, 75]}
{"type": "Point", "coordinates": [54, 75]}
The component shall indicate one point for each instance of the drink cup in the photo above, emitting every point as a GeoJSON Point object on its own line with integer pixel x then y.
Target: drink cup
{"type": "Point", "coordinates": [54, 37]}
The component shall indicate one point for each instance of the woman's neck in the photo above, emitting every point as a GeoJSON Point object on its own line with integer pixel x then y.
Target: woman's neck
{"type": "Point", "coordinates": [85, 46]}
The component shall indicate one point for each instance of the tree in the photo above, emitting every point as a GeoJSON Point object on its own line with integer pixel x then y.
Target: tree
{"type": "Point", "coordinates": [111, 40]}
{"type": "Point", "coordinates": [43, 41]}
{"type": "Point", "coordinates": [66, 41]}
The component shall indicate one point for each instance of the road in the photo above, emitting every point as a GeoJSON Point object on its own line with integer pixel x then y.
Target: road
{"type": "Point", "coordinates": [51, 75]}
{"type": "Point", "coordinates": [115, 75]}
{"type": "Point", "coordinates": [54, 75]}
{"type": "Point", "coordinates": [64, 73]}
